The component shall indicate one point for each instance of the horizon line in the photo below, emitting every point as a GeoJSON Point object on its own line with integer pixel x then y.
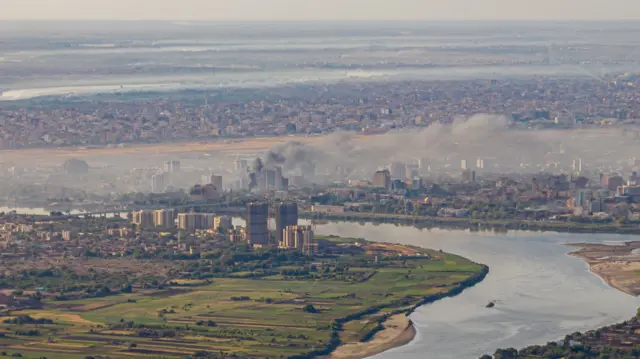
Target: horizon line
{"type": "Point", "coordinates": [326, 20]}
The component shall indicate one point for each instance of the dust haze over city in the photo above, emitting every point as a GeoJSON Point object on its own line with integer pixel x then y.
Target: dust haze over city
{"type": "Point", "coordinates": [210, 66]}
{"type": "Point", "coordinates": [275, 179]}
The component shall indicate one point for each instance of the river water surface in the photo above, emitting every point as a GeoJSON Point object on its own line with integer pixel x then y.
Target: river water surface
{"type": "Point", "coordinates": [541, 293]}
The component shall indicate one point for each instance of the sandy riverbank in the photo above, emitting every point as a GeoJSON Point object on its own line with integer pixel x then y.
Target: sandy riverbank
{"type": "Point", "coordinates": [398, 331]}
{"type": "Point", "coordinates": [617, 265]}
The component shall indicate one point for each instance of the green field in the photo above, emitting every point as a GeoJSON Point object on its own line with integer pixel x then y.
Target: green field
{"type": "Point", "coordinates": [267, 320]}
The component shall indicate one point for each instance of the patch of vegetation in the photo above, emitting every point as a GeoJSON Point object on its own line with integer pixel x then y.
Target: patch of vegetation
{"type": "Point", "coordinates": [268, 303]}
{"type": "Point", "coordinates": [25, 319]}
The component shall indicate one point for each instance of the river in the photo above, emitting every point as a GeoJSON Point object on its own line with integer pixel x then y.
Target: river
{"type": "Point", "coordinates": [32, 211]}
{"type": "Point", "coordinates": [542, 293]}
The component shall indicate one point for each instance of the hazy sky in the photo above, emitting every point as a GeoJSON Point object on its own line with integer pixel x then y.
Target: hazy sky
{"type": "Point", "coordinates": [319, 9]}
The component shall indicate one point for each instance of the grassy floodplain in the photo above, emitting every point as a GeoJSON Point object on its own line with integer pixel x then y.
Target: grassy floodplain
{"type": "Point", "coordinates": [277, 316]}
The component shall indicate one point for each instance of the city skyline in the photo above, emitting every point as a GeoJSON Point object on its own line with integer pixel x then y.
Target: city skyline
{"type": "Point", "coordinates": [290, 10]}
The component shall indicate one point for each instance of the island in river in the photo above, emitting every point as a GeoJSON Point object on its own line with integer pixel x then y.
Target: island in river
{"type": "Point", "coordinates": [349, 301]}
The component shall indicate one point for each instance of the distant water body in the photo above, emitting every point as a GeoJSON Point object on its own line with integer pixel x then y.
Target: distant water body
{"type": "Point", "coordinates": [171, 58]}
{"type": "Point", "coordinates": [541, 293]}
{"type": "Point", "coordinates": [172, 83]}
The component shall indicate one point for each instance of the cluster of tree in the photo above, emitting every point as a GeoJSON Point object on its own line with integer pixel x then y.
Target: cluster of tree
{"type": "Point", "coordinates": [327, 272]}
{"type": "Point", "coordinates": [329, 199]}
{"type": "Point", "coordinates": [26, 319]}
{"type": "Point", "coordinates": [152, 333]}
{"type": "Point", "coordinates": [224, 263]}
{"type": "Point", "coordinates": [65, 280]}
{"type": "Point", "coordinates": [190, 284]}
{"type": "Point", "coordinates": [590, 345]}
{"type": "Point", "coordinates": [210, 355]}
{"type": "Point", "coordinates": [208, 323]}
{"type": "Point", "coordinates": [265, 300]}
{"type": "Point", "coordinates": [28, 333]}
{"type": "Point", "coordinates": [240, 298]}
{"type": "Point", "coordinates": [481, 210]}
{"type": "Point", "coordinates": [561, 352]}
{"type": "Point", "coordinates": [309, 308]}
{"type": "Point", "coordinates": [93, 291]}
{"type": "Point", "coordinates": [15, 355]}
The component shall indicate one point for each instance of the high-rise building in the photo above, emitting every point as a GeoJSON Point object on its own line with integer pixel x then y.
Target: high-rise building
{"type": "Point", "coordinates": [144, 218]}
{"type": "Point", "coordinates": [577, 165]}
{"type": "Point", "coordinates": [204, 193]}
{"type": "Point", "coordinates": [208, 220]}
{"type": "Point", "coordinates": [416, 183]}
{"type": "Point", "coordinates": [479, 163]}
{"type": "Point", "coordinates": [223, 222]}
{"type": "Point", "coordinates": [278, 179]}
{"type": "Point", "coordinates": [468, 175]}
{"type": "Point", "coordinates": [463, 164]}
{"type": "Point", "coordinates": [193, 221]}
{"type": "Point", "coordinates": [240, 165]}
{"type": "Point", "coordinates": [270, 178]}
{"type": "Point", "coordinates": [158, 183]}
{"type": "Point", "coordinates": [300, 238]}
{"type": "Point", "coordinates": [286, 215]}
{"type": "Point", "coordinates": [613, 182]}
{"type": "Point", "coordinates": [412, 171]}
{"type": "Point", "coordinates": [186, 221]}
{"type": "Point", "coordinates": [284, 184]}
{"type": "Point", "coordinates": [422, 164]}
{"type": "Point", "coordinates": [398, 184]}
{"type": "Point", "coordinates": [595, 205]}
{"type": "Point", "coordinates": [172, 166]}
{"type": "Point", "coordinates": [583, 196]}
{"type": "Point", "coordinates": [398, 170]}
{"type": "Point", "coordinates": [216, 181]}
{"type": "Point", "coordinates": [164, 218]}
{"type": "Point", "coordinates": [382, 179]}
{"type": "Point", "coordinates": [206, 179]}
{"type": "Point", "coordinates": [257, 223]}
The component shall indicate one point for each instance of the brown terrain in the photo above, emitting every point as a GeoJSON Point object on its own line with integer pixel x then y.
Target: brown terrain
{"type": "Point", "coordinates": [617, 265]}
{"type": "Point", "coordinates": [398, 331]}
{"type": "Point", "coordinates": [246, 145]}
{"type": "Point", "coordinates": [232, 146]}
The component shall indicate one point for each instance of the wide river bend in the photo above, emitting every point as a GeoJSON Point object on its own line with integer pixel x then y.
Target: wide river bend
{"type": "Point", "coordinates": [541, 293]}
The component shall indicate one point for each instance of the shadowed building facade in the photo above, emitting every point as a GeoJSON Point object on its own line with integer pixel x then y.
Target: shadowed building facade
{"type": "Point", "coordinates": [257, 223]}
{"type": "Point", "coordinates": [286, 215]}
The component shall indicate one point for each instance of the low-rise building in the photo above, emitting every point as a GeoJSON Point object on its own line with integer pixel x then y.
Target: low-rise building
{"type": "Point", "coordinates": [300, 238]}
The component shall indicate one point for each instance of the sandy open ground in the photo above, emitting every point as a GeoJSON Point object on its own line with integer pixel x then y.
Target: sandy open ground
{"type": "Point", "coordinates": [618, 266]}
{"type": "Point", "coordinates": [398, 331]}
{"type": "Point", "coordinates": [229, 146]}
{"type": "Point", "coordinates": [241, 145]}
